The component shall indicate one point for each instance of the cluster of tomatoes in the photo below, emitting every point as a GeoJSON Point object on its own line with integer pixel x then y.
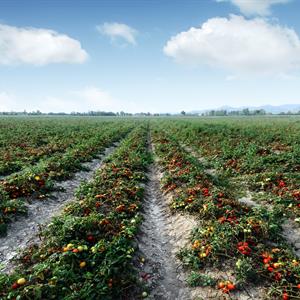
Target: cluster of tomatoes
{"type": "Point", "coordinates": [205, 192]}
{"type": "Point", "coordinates": [226, 286]}
{"type": "Point", "coordinates": [230, 217]}
{"type": "Point", "coordinates": [170, 187]}
{"type": "Point", "coordinates": [18, 283]}
{"type": "Point", "coordinates": [22, 188]}
{"type": "Point", "coordinates": [271, 266]}
{"type": "Point", "coordinates": [243, 247]}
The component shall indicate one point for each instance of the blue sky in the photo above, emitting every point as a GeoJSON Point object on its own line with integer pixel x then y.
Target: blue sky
{"type": "Point", "coordinates": [148, 55]}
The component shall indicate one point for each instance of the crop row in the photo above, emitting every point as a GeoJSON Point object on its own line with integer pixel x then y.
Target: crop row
{"type": "Point", "coordinates": [262, 156]}
{"type": "Point", "coordinates": [246, 239]}
{"type": "Point", "coordinates": [24, 142]}
{"type": "Point", "coordinates": [87, 250]}
{"type": "Point", "coordinates": [37, 180]}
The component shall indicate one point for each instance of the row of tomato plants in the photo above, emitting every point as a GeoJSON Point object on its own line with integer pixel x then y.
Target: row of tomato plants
{"type": "Point", "coordinates": [37, 181]}
{"type": "Point", "coordinates": [262, 155]}
{"type": "Point", "coordinates": [25, 141]}
{"type": "Point", "coordinates": [87, 251]}
{"type": "Point", "coordinates": [246, 239]}
{"type": "Point", "coordinates": [245, 146]}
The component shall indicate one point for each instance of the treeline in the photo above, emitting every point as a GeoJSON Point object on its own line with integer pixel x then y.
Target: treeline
{"type": "Point", "coordinates": [210, 113]}
{"type": "Point", "coordinates": [39, 113]}
{"type": "Point", "coordinates": [89, 113]}
{"type": "Point", "coordinates": [290, 113]}
{"type": "Point", "coordinates": [244, 112]}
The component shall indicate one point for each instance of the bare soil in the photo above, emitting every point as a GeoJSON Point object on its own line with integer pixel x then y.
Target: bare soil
{"type": "Point", "coordinates": [161, 235]}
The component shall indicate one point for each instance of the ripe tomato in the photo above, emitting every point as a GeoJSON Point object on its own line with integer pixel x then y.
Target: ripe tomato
{"type": "Point", "coordinates": [14, 286]}
{"type": "Point", "coordinates": [266, 261]}
{"type": "Point", "coordinates": [90, 238]}
{"type": "Point", "coordinates": [98, 204]}
{"type": "Point", "coordinates": [277, 276]}
{"type": "Point", "coordinates": [285, 296]}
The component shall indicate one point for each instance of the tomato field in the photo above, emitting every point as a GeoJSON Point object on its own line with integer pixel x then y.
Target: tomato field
{"type": "Point", "coordinates": [178, 208]}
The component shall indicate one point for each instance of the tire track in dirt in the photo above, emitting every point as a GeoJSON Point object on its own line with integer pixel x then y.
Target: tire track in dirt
{"type": "Point", "coordinates": [161, 234]}
{"type": "Point", "coordinates": [25, 230]}
{"type": "Point", "coordinates": [159, 268]}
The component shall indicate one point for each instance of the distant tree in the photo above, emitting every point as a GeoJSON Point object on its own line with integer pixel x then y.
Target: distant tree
{"type": "Point", "coordinates": [183, 113]}
{"type": "Point", "coordinates": [221, 112]}
{"type": "Point", "coordinates": [246, 112]}
{"type": "Point", "coordinates": [261, 112]}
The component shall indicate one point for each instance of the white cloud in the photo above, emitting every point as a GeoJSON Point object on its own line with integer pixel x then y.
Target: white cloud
{"type": "Point", "coordinates": [7, 101]}
{"type": "Point", "coordinates": [255, 7]}
{"type": "Point", "coordinates": [95, 98]}
{"type": "Point", "coordinates": [88, 98]}
{"type": "Point", "coordinates": [83, 100]}
{"type": "Point", "coordinates": [118, 30]}
{"type": "Point", "coordinates": [36, 46]}
{"type": "Point", "coordinates": [239, 45]}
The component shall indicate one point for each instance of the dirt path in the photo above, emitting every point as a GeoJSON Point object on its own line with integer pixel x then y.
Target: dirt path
{"type": "Point", "coordinates": [160, 268]}
{"type": "Point", "coordinates": [161, 236]}
{"type": "Point", "coordinates": [25, 230]}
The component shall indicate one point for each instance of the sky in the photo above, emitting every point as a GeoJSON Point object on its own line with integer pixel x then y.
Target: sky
{"type": "Point", "coordinates": [148, 55]}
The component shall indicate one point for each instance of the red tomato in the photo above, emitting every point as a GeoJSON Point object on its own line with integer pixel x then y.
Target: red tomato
{"type": "Point", "coordinates": [285, 296]}
{"type": "Point", "coordinates": [14, 286]}
{"type": "Point", "coordinates": [231, 286]}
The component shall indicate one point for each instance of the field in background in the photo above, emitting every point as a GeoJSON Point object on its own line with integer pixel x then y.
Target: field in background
{"type": "Point", "coordinates": [236, 179]}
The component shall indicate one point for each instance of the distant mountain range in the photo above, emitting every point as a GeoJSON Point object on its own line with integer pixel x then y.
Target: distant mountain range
{"type": "Point", "coordinates": [268, 108]}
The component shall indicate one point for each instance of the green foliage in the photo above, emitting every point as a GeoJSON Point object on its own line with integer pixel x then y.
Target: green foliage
{"type": "Point", "coordinates": [198, 279]}
{"type": "Point", "coordinates": [87, 251]}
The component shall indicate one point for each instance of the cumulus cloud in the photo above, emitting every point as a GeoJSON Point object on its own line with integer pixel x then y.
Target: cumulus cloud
{"type": "Point", "coordinates": [37, 46]}
{"type": "Point", "coordinates": [118, 31]}
{"type": "Point", "coordinates": [255, 7]}
{"type": "Point", "coordinates": [238, 45]}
